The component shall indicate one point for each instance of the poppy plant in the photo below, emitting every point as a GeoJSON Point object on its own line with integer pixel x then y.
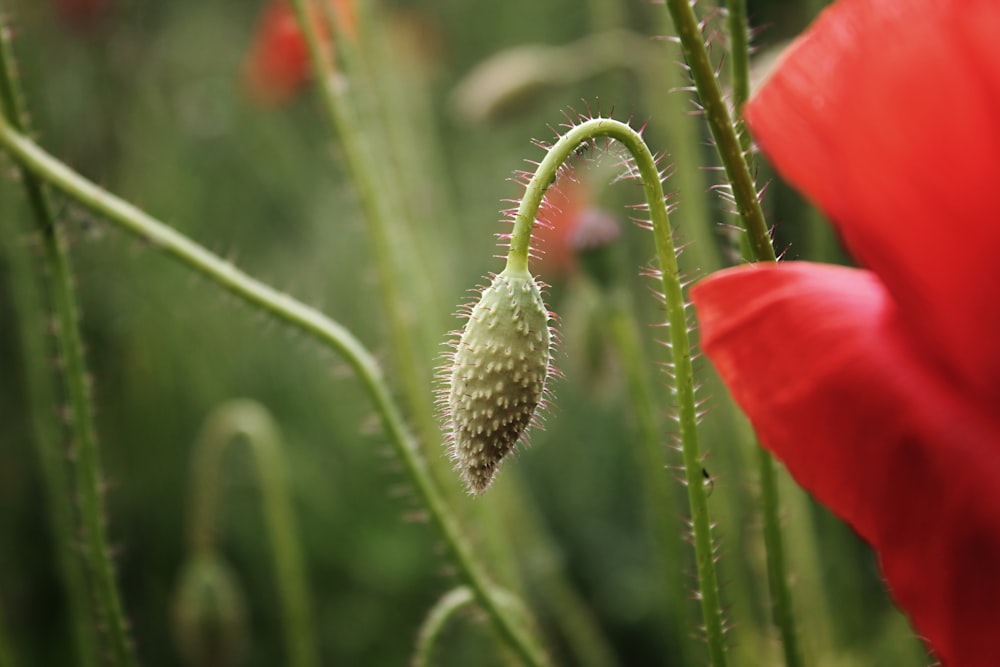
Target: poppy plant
{"type": "Point", "coordinates": [879, 388]}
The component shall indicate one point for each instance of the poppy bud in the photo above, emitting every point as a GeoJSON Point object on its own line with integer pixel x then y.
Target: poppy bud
{"type": "Point", "coordinates": [498, 378]}
{"type": "Point", "coordinates": [209, 614]}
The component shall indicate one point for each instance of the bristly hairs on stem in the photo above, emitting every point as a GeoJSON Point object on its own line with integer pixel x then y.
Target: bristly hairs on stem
{"type": "Point", "coordinates": [84, 454]}
{"type": "Point", "coordinates": [311, 322]}
{"type": "Point", "coordinates": [733, 145]}
{"type": "Point", "coordinates": [473, 443]}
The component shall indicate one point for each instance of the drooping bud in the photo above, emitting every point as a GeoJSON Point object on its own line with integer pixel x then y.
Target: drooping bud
{"type": "Point", "coordinates": [498, 378]}
{"type": "Point", "coordinates": [209, 614]}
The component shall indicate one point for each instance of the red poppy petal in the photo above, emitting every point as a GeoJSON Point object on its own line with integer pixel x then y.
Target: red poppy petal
{"type": "Point", "coordinates": [819, 360]}
{"type": "Point", "coordinates": [886, 114]}
{"type": "Point", "coordinates": [278, 63]}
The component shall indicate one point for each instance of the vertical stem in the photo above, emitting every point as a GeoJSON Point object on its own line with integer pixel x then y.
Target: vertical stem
{"type": "Point", "coordinates": [739, 63]}
{"type": "Point", "coordinates": [667, 528]}
{"type": "Point", "coordinates": [732, 146]}
{"type": "Point", "coordinates": [57, 483]}
{"type": "Point", "coordinates": [376, 201]}
{"type": "Point", "coordinates": [781, 599]}
{"type": "Point", "coordinates": [83, 451]}
{"type": "Point", "coordinates": [252, 421]}
{"type": "Point", "coordinates": [720, 123]}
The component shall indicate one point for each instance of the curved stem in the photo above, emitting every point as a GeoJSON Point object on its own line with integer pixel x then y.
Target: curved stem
{"type": "Point", "coordinates": [83, 451]}
{"type": "Point", "coordinates": [517, 259]}
{"type": "Point", "coordinates": [253, 422]}
{"type": "Point", "coordinates": [308, 320]}
{"type": "Point", "coordinates": [443, 610]}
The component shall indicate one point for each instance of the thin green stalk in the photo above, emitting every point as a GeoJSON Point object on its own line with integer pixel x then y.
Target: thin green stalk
{"type": "Point", "coordinates": [311, 322]}
{"type": "Point", "coordinates": [667, 528]}
{"type": "Point", "coordinates": [545, 571]}
{"type": "Point", "coordinates": [732, 151]}
{"type": "Point", "coordinates": [739, 63]}
{"type": "Point", "coordinates": [781, 600]}
{"type": "Point", "coordinates": [252, 421]}
{"type": "Point", "coordinates": [720, 123]}
{"type": "Point", "coordinates": [442, 612]}
{"type": "Point", "coordinates": [83, 450]}
{"type": "Point", "coordinates": [687, 417]}
{"type": "Point", "coordinates": [40, 393]}
{"type": "Point", "coordinates": [375, 193]}
{"type": "Point", "coordinates": [434, 624]}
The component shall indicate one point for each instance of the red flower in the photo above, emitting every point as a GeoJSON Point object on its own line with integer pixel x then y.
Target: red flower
{"type": "Point", "coordinates": [278, 64]}
{"type": "Point", "coordinates": [880, 388]}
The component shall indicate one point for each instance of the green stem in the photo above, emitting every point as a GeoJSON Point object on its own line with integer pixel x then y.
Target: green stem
{"type": "Point", "coordinates": [254, 423]}
{"type": "Point", "coordinates": [376, 196]}
{"type": "Point", "coordinates": [57, 484]}
{"type": "Point", "coordinates": [781, 599]}
{"type": "Point", "coordinates": [687, 417]}
{"type": "Point", "coordinates": [732, 152]}
{"type": "Point", "coordinates": [739, 63]}
{"type": "Point", "coordinates": [83, 450]}
{"type": "Point", "coordinates": [437, 619]}
{"type": "Point", "coordinates": [661, 502]}
{"type": "Point", "coordinates": [308, 320]}
{"type": "Point", "coordinates": [720, 123]}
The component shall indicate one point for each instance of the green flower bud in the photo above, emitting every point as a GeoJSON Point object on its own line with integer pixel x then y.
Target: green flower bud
{"type": "Point", "coordinates": [498, 376]}
{"type": "Point", "coordinates": [209, 614]}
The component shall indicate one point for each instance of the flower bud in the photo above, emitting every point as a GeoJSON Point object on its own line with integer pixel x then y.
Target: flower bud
{"type": "Point", "coordinates": [498, 377]}
{"type": "Point", "coordinates": [209, 614]}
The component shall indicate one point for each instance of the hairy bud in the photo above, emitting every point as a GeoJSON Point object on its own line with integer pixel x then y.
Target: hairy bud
{"type": "Point", "coordinates": [498, 376]}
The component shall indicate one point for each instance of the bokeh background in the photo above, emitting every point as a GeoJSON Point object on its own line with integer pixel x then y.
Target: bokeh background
{"type": "Point", "coordinates": [156, 101]}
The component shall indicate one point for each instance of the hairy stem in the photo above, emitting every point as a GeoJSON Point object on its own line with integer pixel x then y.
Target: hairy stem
{"type": "Point", "coordinates": [723, 130]}
{"type": "Point", "coordinates": [83, 450]}
{"type": "Point", "coordinates": [40, 394]}
{"type": "Point", "coordinates": [252, 421]}
{"type": "Point", "coordinates": [732, 146]}
{"type": "Point", "coordinates": [311, 322]}
{"type": "Point", "coordinates": [739, 63]}
{"type": "Point", "coordinates": [680, 344]}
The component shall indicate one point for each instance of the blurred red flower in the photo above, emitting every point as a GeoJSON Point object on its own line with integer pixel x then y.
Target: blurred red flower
{"type": "Point", "coordinates": [880, 388]}
{"type": "Point", "coordinates": [551, 237]}
{"type": "Point", "coordinates": [277, 65]}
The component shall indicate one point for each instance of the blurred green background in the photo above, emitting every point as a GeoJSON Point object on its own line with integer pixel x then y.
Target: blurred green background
{"type": "Point", "coordinates": [149, 99]}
